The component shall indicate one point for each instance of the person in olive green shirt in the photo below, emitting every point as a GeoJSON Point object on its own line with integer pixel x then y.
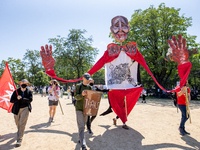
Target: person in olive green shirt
{"type": "Point", "coordinates": [79, 105]}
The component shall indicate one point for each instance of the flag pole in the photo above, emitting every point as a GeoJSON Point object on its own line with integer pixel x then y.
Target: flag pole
{"type": "Point", "coordinates": [125, 105]}
{"type": "Point", "coordinates": [187, 106]}
{"type": "Point", "coordinates": [58, 101]}
{"type": "Point", "coordinates": [60, 106]}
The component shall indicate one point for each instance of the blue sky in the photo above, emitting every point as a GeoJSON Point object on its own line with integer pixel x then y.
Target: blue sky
{"type": "Point", "coordinates": [29, 24]}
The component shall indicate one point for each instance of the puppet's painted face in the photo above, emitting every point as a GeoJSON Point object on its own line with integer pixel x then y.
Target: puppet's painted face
{"type": "Point", "coordinates": [119, 28]}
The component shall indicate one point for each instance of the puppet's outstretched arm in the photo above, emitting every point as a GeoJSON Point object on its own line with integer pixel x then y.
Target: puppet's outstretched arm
{"type": "Point", "coordinates": [49, 62]}
{"type": "Point", "coordinates": [180, 55]}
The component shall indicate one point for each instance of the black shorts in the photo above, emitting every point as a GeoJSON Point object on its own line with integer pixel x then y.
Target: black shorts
{"type": "Point", "coordinates": [51, 103]}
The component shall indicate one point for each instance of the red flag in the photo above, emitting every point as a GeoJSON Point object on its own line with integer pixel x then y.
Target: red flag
{"type": "Point", "coordinates": [7, 87]}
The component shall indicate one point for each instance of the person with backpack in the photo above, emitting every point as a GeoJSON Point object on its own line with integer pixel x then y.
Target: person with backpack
{"type": "Point", "coordinates": [79, 105]}
{"type": "Point", "coordinates": [22, 98]}
{"type": "Point", "coordinates": [91, 118]}
{"type": "Point", "coordinates": [181, 101]}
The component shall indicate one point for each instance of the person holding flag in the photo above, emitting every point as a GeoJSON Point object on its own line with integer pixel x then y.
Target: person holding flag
{"type": "Point", "coordinates": [22, 98]}
{"type": "Point", "coordinates": [182, 103]}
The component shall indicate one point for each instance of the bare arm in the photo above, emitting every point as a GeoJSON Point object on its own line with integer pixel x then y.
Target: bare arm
{"type": "Point", "coordinates": [51, 90]}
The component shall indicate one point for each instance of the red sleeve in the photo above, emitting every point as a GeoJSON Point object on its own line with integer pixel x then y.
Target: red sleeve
{"type": "Point", "coordinates": [177, 89]}
{"type": "Point", "coordinates": [101, 62]}
{"type": "Point", "coordinates": [188, 90]}
{"type": "Point", "coordinates": [183, 69]}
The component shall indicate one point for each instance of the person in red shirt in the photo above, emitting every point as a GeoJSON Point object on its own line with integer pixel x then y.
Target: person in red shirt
{"type": "Point", "coordinates": [181, 101]}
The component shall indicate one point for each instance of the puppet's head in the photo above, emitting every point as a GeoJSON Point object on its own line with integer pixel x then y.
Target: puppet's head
{"type": "Point", "coordinates": [119, 28]}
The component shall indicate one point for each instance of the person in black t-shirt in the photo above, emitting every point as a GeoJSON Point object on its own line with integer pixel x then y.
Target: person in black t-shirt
{"type": "Point", "coordinates": [22, 98]}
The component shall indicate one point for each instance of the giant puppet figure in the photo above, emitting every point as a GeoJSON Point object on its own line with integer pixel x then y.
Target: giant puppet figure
{"type": "Point", "coordinates": [122, 67]}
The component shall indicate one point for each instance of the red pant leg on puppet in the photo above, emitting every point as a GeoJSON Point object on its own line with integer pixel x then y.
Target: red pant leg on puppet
{"type": "Point", "coordinates": [116, 98]}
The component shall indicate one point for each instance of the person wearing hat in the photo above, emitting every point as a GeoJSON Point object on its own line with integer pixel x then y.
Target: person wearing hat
{"type": "Point", "coordinates": [79, 105]}
{"type": "Point", "coordinates": [22, 98]}
{"type": "Point", "coordinates": [54, 94]}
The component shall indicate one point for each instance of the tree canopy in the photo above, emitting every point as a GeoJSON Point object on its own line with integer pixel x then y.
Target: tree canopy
{"type": "Point", "coordinates": [74, 54]}
{"type": "Point", "coordinates": [150, 29]}
{"type": "Point", "coordinates": [33, 64]}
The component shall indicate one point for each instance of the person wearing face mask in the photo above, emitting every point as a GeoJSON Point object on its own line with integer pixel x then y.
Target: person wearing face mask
{"type": "Point", "coordinates": [79, 105]}
{"type": "Point", "coordinates": [22, 99]}
{"type": "Point", "coordinates": [91, 118]}
{"type": "Point", "coordinates": [54, 94]}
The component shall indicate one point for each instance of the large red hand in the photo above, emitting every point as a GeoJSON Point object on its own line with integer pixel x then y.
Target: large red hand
{"type": "Point", "coordinates": [47, 59]}
{"type": "Point", "coordinates": [180, 53]}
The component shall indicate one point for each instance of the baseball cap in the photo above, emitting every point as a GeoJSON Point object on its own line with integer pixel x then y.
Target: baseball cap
{"type": "Point", "coordinates": [87, 76]}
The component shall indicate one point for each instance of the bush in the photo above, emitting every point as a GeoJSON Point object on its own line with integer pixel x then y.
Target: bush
{"type": "Point", "coordinates": [105, 95]}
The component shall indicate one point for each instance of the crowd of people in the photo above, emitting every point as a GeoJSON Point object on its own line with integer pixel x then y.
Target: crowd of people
{"type": "Point", "coordinates": [23, 97]}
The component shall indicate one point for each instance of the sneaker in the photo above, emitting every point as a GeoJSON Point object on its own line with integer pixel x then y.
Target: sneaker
{"type": "Point", "coordinates": [50, 119]}
{"type": "Point", "coordinates": [84, 147]}
{"type": "Point", "coordinates": [114, 121]}
{"type": "Point", "coordinates": [18, 144]}
{"type": "Point", "coordinates": [125, 127]}
{"type": "Point", "coordinates": [89, 130]}
{"type": "Point", "coordinates": [186, 132]}
{"type": "Point", "coordinates": [181, 131]}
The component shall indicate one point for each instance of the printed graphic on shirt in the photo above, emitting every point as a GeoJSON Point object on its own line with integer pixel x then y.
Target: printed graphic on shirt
{"type": "Point", "coordinates": [121, 73]}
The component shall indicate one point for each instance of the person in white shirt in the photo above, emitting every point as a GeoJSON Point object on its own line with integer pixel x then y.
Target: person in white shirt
{"type": "Point", "coordinates": [44, 91]}
{"type": "Point", "coordinates": [54, 94]}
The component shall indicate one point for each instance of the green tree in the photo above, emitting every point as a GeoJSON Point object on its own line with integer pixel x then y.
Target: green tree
{"type": "Point", "coordinates": [99, 77]}
{"type": "Point", "coordinates": [194, 77]}
{"type": "Point", "coordinates": [16, 69]}
{"type": "Point", "coordinates": [2, 67]}
{"type": "Point", "coordinates": [41, 79]}
{"type": "Point", "coordinates": [150, 29]}
{"type": "Point", "coordinates": [74, 55]}
{"type": "Point", "coordinates": [33, 64]}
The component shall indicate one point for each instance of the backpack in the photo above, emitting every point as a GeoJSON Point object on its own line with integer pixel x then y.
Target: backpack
{"type": "Point", "coordinates": [80, 85]}
{"type": "Point", "coordinates": [74, 100]}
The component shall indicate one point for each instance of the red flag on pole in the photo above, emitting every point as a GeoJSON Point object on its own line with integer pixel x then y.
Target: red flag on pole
{"type": "Point", "coordinates": [7, 87]}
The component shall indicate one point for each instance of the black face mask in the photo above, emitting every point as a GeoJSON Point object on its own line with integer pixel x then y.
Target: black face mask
{"type": "Point", "coordinates": [23, 86]}
{"type": "Point", "coordinates": [91, 84]}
